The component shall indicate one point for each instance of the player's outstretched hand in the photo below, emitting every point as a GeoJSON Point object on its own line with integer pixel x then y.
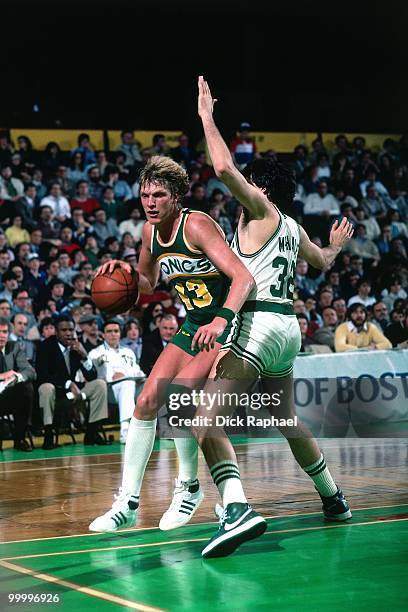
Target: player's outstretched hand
{"type": "Point", "coordinates": [341, 233]}
{"type": "Point", "coordinates": [109, 267]}
{"type": "Point", "coordinates": [205, 100]}
{"type": "Point", "coordinates": [206, 335]}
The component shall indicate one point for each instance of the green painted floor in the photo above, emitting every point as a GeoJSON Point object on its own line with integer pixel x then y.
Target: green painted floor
{"type": "Point", "coordinates": [300, 563]}
{"type": "Point", "coordinates": [79, 450]}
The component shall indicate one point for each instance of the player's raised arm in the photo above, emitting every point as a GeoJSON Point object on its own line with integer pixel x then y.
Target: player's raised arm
{"type": "Point", "coordinates": [322, 259]}
{"type": "Point", "coordinates": [249, 196]}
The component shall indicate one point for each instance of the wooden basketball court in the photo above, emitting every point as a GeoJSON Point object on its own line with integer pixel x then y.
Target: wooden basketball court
{"type": "Point", "coordinates": [49, 499]}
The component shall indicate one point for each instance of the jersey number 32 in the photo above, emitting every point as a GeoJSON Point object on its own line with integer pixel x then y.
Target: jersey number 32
{"type": "Point", "coordinates": [285, 286]}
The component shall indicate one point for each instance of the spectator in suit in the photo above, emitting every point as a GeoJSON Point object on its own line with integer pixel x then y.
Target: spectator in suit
{"type": "Point", "coordinates": [325, 334]}
{"type": "Point", "coordinates": [118, 366]}
{"type": "Point", "coordinates": [19, 335]}
{"type": "Point", "coordinates": [339, 305]}
{"type": "Point", "coordinates": [397, 332]}
{"type": "Point", "coordinates": [380, 316]}
{"type": "Point", "coordinates": [306, 286]}
{"type": "Point", "coordinates": [16, 389]}
{"type": "Point", "coordinates": [59, 360]}
{"type": "Point", "coordinates": [155, 342]}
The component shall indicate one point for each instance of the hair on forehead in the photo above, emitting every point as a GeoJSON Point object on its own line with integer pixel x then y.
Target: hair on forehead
{"type": "Point", "coordinates": [166, 172]}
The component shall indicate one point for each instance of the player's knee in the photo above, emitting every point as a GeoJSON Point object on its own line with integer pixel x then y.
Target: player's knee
{"type": "Point", "coordinates": [146, 406]}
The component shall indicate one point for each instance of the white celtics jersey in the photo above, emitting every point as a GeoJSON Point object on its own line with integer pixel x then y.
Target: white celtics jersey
{"type": "Point", "coordinates": [273, 265]}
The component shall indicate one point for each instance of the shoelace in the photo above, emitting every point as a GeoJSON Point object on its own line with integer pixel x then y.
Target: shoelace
{"type": "Point", "coordinates": [180, 488]}
{"type": "Point", "coordinates": [119, 498]}
{"type": "Point", "coordinates": [224, 517]}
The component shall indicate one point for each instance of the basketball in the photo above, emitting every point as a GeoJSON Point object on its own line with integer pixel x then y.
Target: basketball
{"type": "Point", "coordinates": [115, 293]}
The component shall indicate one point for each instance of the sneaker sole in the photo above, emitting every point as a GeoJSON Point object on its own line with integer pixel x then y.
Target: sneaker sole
{"type": "Point", "coordinates": [338, 517]}
{"type": "Point", "coordinates": [229, 542]}
{"type": "Point", "coordinates": [173, 526]}
{"type": "Point", "coordinates": [114, 530]}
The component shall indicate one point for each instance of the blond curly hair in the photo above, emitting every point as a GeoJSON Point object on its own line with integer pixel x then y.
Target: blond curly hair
{"type": "Point", "coordinates": [166, 172]}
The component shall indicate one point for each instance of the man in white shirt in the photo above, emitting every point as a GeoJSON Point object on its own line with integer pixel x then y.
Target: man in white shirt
{"type": "Point", "coordinates": [363, 295]}
{"type": "Point", "coordinates": [371, 180]}
{"type": "Point", "coordinates": [322, 202]}
{"type": "Point", "coordinates": [57, 202]}
{"type": "Point", "coordinates": [133, 225]}
{"type": "Point", "coordinates": [118, 366]}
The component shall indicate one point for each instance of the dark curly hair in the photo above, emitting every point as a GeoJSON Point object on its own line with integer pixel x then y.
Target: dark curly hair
{"type": "Point", "coordinates": [275, 178]}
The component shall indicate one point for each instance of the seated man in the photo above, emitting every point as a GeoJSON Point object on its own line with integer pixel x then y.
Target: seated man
{"type": "Point", "coordinates": [357, 333]}
{"type": "Point", "coordinates": [117, 365]}
{"type": "Point", "coordinates": [16, 389]}
{"type": "Point", "coordinates": [156, 341]}
{"type": "Point", "coordinates": [59, 360]}
{"type": "Point", "coordinates": [19, 335]}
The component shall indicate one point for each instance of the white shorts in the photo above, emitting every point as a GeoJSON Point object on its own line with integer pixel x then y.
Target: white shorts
{"type": "Point", "coordinates": [267, 340]}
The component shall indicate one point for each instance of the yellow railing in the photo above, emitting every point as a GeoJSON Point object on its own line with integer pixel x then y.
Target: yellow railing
{"type": "Point", "coordinates": [282, 142]}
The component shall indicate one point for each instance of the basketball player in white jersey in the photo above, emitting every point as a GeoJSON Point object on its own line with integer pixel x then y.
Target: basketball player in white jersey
{"type": "Point", "coordinates": [265, 338]}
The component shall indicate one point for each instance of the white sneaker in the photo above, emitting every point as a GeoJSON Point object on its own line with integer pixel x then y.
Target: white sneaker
{"type": "Point", "coordinates": [120, 516]}
{"type": "Point", "coordinates": [183, 506]}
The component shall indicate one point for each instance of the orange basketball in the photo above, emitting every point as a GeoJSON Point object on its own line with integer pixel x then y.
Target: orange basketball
{"type": "Point", "coordinates": [115, 293]}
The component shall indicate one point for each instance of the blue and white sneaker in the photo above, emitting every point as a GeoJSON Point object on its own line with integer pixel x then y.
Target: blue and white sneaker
{"type": "Point", "coordinates": [335, 507]}
{"type": "Point", "coordinates": [238, 524]}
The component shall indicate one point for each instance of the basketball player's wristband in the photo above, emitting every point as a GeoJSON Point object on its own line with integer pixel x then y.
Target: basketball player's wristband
{"type": "Point", "coordinates": [226, 313]}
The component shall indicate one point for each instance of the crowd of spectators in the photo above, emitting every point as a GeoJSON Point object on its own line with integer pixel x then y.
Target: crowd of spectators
{"type": "Point", "coordinates": [62, 214]}
{"type": "Point", "coordinates": [371, 190]}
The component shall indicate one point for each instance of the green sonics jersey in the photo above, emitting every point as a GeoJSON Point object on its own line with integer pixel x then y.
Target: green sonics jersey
{"type": "Point", "coordinates": [201, 287]}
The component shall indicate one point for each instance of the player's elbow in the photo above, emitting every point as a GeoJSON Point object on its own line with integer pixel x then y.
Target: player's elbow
{"type": "Point", "coordinates": [223, 169]}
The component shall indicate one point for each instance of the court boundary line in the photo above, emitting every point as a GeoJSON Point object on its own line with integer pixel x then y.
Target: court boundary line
{"type": "Point", "coordinates": [80, 465]}
{"type": "Point", "coordinates": [73, 586]}
{"type": "Point", "coordinates": [136, 529]}
{"type": "Point", "coordinates": [172, 449]}
{"type": "Point", "coordinates": [190, 540]}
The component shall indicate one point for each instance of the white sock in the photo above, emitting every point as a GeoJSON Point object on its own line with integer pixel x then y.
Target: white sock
{"type": "Point", "coordinates": [228, 481]}
{"type": "Point", "coordinates": [187, 451]}
{"type": "Point", "coordinates": [139, 446]}
{"type": "Point", "coordinates": [124, 426]}
{"type": "Point", "coordinates": [319, 473]}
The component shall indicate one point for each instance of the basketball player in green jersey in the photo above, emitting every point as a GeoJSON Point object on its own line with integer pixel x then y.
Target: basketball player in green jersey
{"type": "Point", "coordinates": [265, 338]}
{"type": "Point", "coordinates": [190, 249]}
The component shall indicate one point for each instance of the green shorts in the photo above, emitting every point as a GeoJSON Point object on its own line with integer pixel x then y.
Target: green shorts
{"type": "Point", "coordinates": [186, 333]}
